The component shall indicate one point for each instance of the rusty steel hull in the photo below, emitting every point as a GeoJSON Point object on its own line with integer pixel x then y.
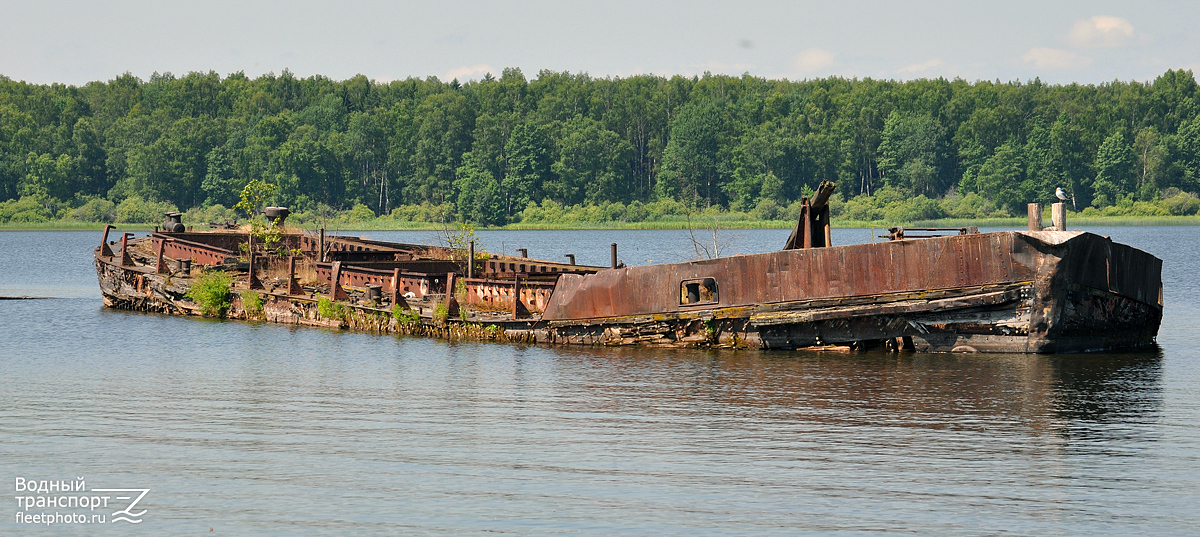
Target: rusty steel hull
{"type": "Point", "coordinates": [1026, 292]}
{"type": "Point", "coordinates": [1033, 292]}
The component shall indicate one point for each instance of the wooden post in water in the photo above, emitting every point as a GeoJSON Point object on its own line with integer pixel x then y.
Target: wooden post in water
{"type": "Point", "coordinates": [1035, 217]}
{"type": "Point", "coordinates": [1059, 215]}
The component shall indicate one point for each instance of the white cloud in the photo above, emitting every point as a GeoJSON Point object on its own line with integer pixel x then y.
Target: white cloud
{"type": "Point", "coordinates": [469, 72]}
{"type": "Point", "coordinates": [921, 67]}
{"type": "Point", "coordinates": [813, 59]}
{"type": "Point", "coordinates": [1055, 58]}
{"type": "Point", "coordinates": [1101, 31]}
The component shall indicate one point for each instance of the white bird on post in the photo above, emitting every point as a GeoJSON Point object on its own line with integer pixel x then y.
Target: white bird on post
{"type": "Point", "coordinates": [1062, 196]}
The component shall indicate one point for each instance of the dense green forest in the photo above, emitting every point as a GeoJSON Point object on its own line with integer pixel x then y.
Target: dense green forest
{"type": "Point", "coordinates": [569, 146]}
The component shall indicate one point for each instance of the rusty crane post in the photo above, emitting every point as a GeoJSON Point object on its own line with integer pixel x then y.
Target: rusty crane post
{"type": "Point", "coordinates": [812, 228]}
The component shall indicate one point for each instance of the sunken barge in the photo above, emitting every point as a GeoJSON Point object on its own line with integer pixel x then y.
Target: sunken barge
{"type": "Point", "coordinates": [1038, 291]}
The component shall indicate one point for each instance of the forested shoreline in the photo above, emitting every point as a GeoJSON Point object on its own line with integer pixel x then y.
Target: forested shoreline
{"type": "Point", "coordinates": [568, 148]}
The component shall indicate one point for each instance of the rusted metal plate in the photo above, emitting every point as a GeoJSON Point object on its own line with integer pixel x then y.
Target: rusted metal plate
{"type": "Point", "coordinates": [790, 275]}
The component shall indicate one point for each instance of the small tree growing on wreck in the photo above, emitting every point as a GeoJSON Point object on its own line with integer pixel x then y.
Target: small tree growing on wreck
{"type": "Point", "coordinates": [211, 291]}
{"type": "Point", "coordinates": [255, 196]}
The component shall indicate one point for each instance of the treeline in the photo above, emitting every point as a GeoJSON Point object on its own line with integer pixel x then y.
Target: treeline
{"type": "Point", "coordinates": [501, 150]}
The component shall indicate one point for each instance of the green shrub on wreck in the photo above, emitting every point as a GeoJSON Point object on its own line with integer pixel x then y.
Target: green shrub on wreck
{"type": "Point", "coordinates": [441, 313]}
{"type": "Point", "coordinates": [211, 292]}
{"type": "Point", "coordinates": [404, 315]}
{"type": "Point", "coordinates": [329, 309]}
{"type": "Point", "coordinates": [253, 304]}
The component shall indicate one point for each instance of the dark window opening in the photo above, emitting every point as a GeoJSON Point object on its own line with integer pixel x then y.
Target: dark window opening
{"type": "Point", "coordinates": [703, 291]}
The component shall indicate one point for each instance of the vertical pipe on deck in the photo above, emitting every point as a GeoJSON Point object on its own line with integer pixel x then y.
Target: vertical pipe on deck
{"type": "Point", "coordinates": [614, 255]}
{"type": "Point", "coordinates": [1035, 216]}
{"type": "Point", "coordinates": [516, 305]}
{"type": "Point", "coordinates": [1059, 215]}
{"type": "Point", "coordinates": [826, 224]}
{"type": "Point", "coordinates": [471, 260]}
{"type": "Point", "coordinates": [321, 246]}
{"type": "Point", "coordinates": [397, 298]}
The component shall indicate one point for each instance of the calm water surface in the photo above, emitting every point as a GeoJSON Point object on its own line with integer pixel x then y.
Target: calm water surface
{"type": "Point", "coordinates": [253, 429]}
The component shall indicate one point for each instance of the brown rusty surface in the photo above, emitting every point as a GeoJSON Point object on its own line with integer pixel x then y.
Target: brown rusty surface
{"type": "Point", "coordinates": [224, 240]}
{"type": "Point", "coordinates": [495, 294]}
{"type": "Point", "coordinates": [179, 246]}
{"type": "Point", "coordinates": [792, 275]}
{"type": "Point", "coordinates": [506, 267]}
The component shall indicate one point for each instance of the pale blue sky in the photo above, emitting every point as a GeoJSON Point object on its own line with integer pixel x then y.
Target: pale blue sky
{"type": "Point", "coordinates": [1071, 41]}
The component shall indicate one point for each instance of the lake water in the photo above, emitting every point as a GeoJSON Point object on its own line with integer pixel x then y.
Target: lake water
{"type": "Point", "coordinates": [255, 429]}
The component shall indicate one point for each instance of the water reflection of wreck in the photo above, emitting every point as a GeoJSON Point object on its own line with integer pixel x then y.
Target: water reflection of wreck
{"type": "Point", "coordinates": [1016, 291]}
{"type": "Point", "coordinates": [1065, 394]}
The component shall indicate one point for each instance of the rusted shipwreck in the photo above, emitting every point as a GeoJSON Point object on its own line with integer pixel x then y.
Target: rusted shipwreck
{"type": "Point", "coordinates": [1040, 291]}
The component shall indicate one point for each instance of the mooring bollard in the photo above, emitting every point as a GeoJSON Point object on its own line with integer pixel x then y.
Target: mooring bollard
{"type": "Point", "coordinates": [374, 292]}
{"type": "Point", "coordinates": [1035, 216]}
